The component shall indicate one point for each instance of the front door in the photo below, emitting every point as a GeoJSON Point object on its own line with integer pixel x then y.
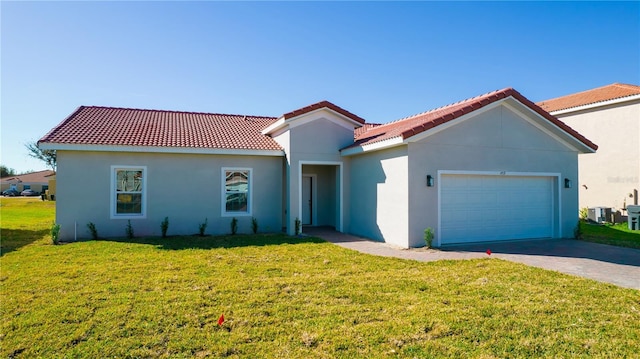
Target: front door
{"type": "Point", "coordinates": [307, 200]}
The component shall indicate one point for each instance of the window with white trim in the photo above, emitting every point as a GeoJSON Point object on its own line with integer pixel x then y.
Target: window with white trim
{"type": "Point", "coordinates": [236, 191]}
{"type": "Point", "coordinates": [128, 192]}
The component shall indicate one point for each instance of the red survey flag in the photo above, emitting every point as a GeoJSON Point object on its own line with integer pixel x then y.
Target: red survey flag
{"type": "Point", "coordinates": [221, 319]}
{"type": "Point", "coordinates": [489, 252]}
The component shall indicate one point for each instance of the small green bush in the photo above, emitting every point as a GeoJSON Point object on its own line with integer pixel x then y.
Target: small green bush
{"type": "Point", "coordinates": [164, 226]}
{"type": "Point", "coordinates": [129, 230]}
{"type": "Point", "coordinates": [254, 225]}
{"type": "Point", "coordinates": [577, 231]}
{"type": "Point", "coordinates": [55, 233]}
{"type": "Point", "coordinates": [584, 213]}
{"type": "Point", "coordinates": [234, 225]}
{"type": "Point", "coordinates": [298, 225]}
{"type": "Point", "coordinates": [202, 227]}
{"type": "Point", "coordinates": [428, 237]}
{"type": "Point", "coordinates": [92, 229]}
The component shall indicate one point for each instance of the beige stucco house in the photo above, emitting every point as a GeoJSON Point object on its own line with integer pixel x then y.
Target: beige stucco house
{"type": "Point", "coordinates": [610, 116]}
{"type": "Point", "coordinates": [493, 167]}
{"type": "Point", "coordinates": [37, 181]}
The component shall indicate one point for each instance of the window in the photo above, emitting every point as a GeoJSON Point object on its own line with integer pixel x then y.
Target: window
{"type": "Point", "coordinates": [128, 192]}
{"type": "Point", "coordinates": [236, 190]}
{"type": "Point", "coordinates": [26, 186]}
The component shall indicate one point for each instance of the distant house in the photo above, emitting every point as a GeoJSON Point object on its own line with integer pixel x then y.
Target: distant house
{"type": "Point", "coordinates": [493, 167]}
{"type": "Point", "coordinates": [610, 116]}
{"type": "Point", "coordinates": [37, 181]}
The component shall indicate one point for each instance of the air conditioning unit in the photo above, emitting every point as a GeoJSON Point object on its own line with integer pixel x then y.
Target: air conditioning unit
{"type": "Point", "coordinates": [599, 214]}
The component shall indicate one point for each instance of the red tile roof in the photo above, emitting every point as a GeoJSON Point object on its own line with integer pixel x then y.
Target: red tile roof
{"type": "Point", "coordinates": [416, 124]}
{"type": "Point", "coordinates": [322, 104]}
{"type": "Point", "coordinates": [33, 177]}
{"type": "Point", "coordinates": [600, 94]}
{"type": "Point", "coordinates": [93, 125]}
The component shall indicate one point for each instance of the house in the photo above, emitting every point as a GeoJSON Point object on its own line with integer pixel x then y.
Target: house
{"type": "Point", "coordinates": [610, 116]}
{"type": "Point", "coordinates": [493, 167]}
{"type": "Point", "coordinates": [37, 181]}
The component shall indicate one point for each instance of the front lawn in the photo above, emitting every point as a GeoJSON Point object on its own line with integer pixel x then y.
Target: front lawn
{"type": "Point", "coordinates": [613, 234]}
{"type": "Point", "coordinates": [285, 297]}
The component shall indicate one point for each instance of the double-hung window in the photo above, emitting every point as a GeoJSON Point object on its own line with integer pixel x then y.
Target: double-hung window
{"type": "Point", "coordinates": [236, 191]}
{"type": "Point", "coordinates": [128, 191]}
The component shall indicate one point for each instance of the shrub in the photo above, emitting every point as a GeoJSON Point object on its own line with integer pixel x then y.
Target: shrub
{"type": "Point", "coordinates": [254, 225]}
{"type": "Point", "coordinates": [584, 213]}
{"type": "Point", "coordinates": [129, 230]}
{"type": "Point", "coordinates": [298, 225]}
{"type": "Point", "coordinates": [55, 233]}
{"type": "Point", "coordinates": [92, 229]}
{"type": "Point", "coordinates": [202, 227]}
{"type": "Point", "coordinates": [428, 237]}
{"type": "Point", "coordinates": [234, 225]}
{"type": "Point", "coordinates": [577, 231]}
{"type": "Point", "coordinates": [164, 226]}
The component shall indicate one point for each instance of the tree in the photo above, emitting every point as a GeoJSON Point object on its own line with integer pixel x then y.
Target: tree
{"type": "Point", "coordinates": [46, 156]}
{"type": "Point", "coordinates": [6, 171]}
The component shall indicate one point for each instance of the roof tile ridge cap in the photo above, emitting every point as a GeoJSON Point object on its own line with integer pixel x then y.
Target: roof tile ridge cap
{"type": "Point", "coordinates": [488, 94]}
{"type": "Point", "coordinates": [63, 122]}
{"type": "Point", "coordinates": [629, 87]}
{"type": "Point", "coordinates": [582, 92]}
{"type": "Point", "coordinates": [318, 105]}
{"type": "Point", "coordinates": [177, 111]}
{"type": "Point", "coordinates": [491, 96]}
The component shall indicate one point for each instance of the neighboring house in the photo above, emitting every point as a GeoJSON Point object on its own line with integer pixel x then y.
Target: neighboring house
{"type": "Point", "coordinates": [37, 181]}
{"type": "Point", "coordinates": [610, 116]}
{"type": "Point", "coordinates": [493, 167]}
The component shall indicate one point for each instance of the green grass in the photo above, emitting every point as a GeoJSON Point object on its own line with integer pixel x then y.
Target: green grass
{"type": "Point", "coordinates": [287, 297]}
{"type": "Point", "coordinates": [614, 234]}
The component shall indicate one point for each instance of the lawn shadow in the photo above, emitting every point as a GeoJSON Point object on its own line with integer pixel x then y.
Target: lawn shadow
{"type": "Point", "coordinates": [14, 239]}
{"type": "Point", "coordinates": [567, 248]}
{"type": "Point", "coordinates": [213, 242]}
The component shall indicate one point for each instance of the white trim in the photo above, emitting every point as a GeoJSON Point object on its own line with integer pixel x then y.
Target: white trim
{"type": "Point", "coordinates": [341, 199]}
{"type": "Point", "coordinates": [158, 149]}
{"type": "Point", "coordinates": [314, 196]}
{"type": "Point", "coordinates": [223, 198]}
{"type": "Point", "coordinates": [595, 105]}
{"type": "Point", "coordinates": [581, 146]}
{"type": "Point", "coordinates": [274, 126]}
{"type": "Point", "coordinates": [113, 194]}
{"type": "Point", "coordinates": [555, 233]}
{"type": "Point", "coordinates": [389, 143]}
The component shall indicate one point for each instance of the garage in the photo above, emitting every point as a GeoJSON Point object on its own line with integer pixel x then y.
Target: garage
{"type": "Point", "coordinates": [487, 207]}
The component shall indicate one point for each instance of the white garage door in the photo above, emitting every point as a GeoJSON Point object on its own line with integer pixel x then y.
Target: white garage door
{"type": "Point", "coordinates": [476, 208]}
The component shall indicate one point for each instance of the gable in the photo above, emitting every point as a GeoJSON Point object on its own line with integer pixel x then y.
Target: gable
{"type": "Point", "coordinates": [417, 127]}
{"type": "Point", "coordinates": [499, 127]}
{"type": "Point", "coordinates": [321, 135]}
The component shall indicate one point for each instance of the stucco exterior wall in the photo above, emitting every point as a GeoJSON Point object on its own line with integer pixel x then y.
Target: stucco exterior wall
{"type": "Point", "coordinates": [379, 196]}
{"type": "Point", "coordinates": [185, 188]}
{"type": "Point", "coordinates": [496, 140]}
{"type": "Point", "coordinates": [607, 177]}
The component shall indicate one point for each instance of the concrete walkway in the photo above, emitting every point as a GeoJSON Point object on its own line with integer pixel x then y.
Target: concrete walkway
{"type": "Point", "coordinates": [609, 264]}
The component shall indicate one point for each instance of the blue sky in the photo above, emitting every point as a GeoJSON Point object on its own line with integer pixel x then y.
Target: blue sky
{"type": "Point", "coordinates": [379, 60]}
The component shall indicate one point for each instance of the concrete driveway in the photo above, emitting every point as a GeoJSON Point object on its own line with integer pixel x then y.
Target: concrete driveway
{"type": "Point", "coordinates": [604, 263]}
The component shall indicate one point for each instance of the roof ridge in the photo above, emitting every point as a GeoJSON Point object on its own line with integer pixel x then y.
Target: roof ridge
{"type": "Point", "coordinates": [445, 106]}
{"type": "Point", "coordinates": [175, 111]}
{"type": "Point", "coordinates": [593, 89]}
